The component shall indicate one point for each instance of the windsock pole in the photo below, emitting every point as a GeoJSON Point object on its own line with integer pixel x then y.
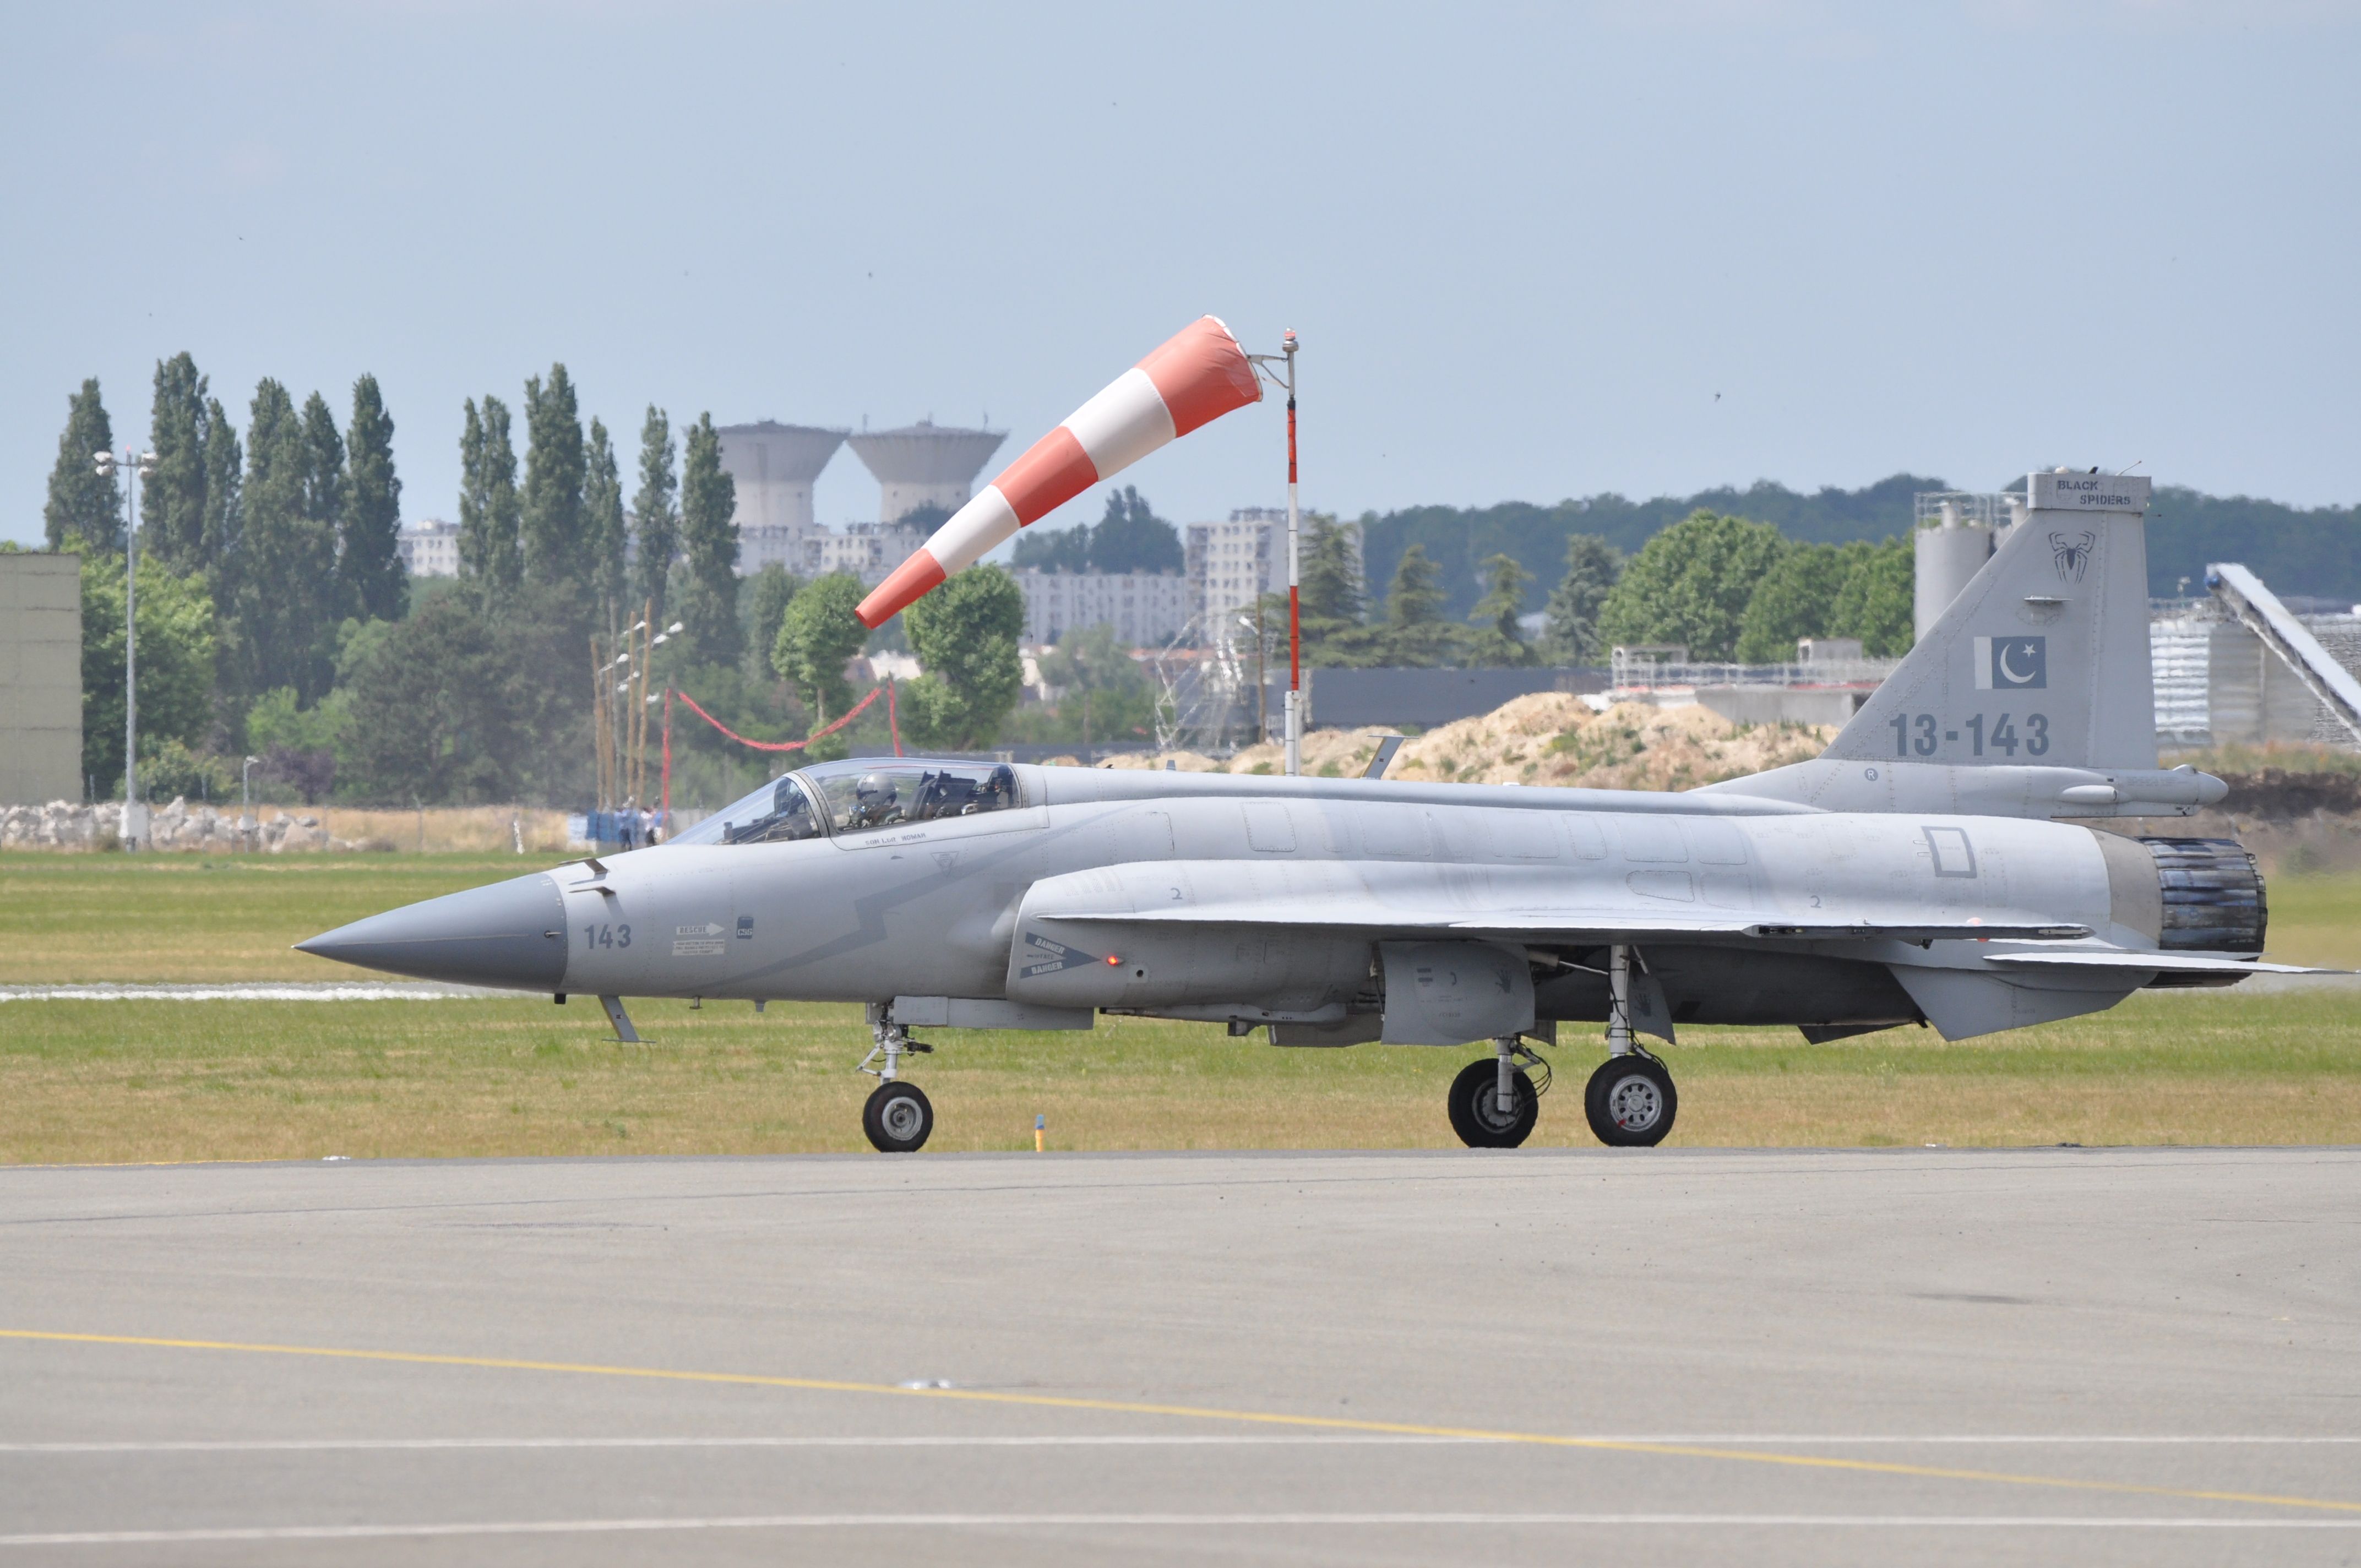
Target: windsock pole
{"type": "Point", "coordinates": [1285, 357]}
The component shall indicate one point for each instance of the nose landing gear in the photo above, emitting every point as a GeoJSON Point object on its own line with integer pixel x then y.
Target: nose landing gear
{"type": "Point", "coordinates": [898, 1116]}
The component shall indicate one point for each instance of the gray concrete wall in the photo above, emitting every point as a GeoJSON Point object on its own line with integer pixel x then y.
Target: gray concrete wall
{"type": "Point", "coordinates": [1781, 704]}
{"type": "Point", "coordinates": [2252, 696]}
{"type": "Point", "coordinates": [40, 677]}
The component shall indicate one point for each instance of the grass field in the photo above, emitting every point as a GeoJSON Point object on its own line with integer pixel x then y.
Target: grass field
{"type": "Point", "coordinates": [152, 1079]}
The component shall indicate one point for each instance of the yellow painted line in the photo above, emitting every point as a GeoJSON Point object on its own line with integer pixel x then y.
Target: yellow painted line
{"type": "Point", "coordinates": [1198, 1412]}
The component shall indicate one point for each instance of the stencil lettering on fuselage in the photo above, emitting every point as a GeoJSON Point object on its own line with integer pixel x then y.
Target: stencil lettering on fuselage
{"type": "Point", "coordinates": [1043, 956]}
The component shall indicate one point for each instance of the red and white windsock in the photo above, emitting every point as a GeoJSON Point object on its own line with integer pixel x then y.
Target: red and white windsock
{"type": "Point", "coordinates": [1198, 375]}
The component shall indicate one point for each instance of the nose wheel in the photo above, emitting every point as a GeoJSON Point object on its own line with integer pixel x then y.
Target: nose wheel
{"type": "Point", "coordinates": [897, 1118]}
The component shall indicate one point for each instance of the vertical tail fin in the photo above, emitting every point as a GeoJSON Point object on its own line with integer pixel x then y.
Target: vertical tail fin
{"type": "Point", "coordinates": [2043, 659]}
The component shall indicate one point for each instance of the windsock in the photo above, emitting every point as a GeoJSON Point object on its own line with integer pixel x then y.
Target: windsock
{"type": "Point", "coordinates": [1198, 375]}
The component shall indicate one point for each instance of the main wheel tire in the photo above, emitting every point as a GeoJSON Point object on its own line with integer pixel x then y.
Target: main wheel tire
{"type": "Point", "coordinates": [1476, 1107]}
{"type": "Point", "coordinates": [1629, 1101]}
{"type": "Point", "coordinates": [897, 1118]}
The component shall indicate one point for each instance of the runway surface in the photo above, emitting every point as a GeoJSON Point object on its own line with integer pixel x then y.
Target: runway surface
{"type": "Point", "coordinates": [2130, 1357]}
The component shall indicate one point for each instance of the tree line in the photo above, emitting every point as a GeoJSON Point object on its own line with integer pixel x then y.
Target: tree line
{"type": "Point", "coordinates": [276, 614]}
{"type": "Point", "coordinates": [277, 617]}
{"type": "Point", "coordinates": [2319, 548]}
{"type": "Point", "coordinates": [1128, 538]}
{"type": "Point", "coordinates": [1727, 588]}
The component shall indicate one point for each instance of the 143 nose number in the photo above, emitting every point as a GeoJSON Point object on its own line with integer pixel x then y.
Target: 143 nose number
{"type": "Point", "coordinates": [1920, 733]}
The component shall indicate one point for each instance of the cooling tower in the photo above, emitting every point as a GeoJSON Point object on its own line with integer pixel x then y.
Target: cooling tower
{"type": "Point", "coordinates": [924, 464]}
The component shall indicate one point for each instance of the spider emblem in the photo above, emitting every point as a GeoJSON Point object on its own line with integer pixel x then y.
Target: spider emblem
{"type": "Point", "coordinates": [2072, 556]}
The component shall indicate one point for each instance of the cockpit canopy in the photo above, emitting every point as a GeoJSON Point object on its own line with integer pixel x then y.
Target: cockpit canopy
{"type": "Point", "coordinates": [859, 796]}
{"type": "Point", "coordinates": [864, 795]}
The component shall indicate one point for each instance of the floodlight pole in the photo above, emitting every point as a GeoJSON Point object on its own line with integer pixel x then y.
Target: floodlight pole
{"type": "Point", "coordinates": [1286, 358]}
{"type": "Point", "coordinates": [136, 467]}
{"type": "Point", "coordinates": [130, 657]}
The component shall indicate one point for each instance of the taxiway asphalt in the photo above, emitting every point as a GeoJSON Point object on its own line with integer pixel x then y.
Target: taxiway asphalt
{"type": "Point", "coordinates": [2101, 1355]}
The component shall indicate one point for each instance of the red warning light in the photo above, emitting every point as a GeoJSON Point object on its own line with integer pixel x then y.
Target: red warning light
{"type": "Point", "coordinates": [1113, 960]}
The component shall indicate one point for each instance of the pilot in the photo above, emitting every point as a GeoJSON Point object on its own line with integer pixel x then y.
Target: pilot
{"type": "Point", "coordinates": [873, 802]}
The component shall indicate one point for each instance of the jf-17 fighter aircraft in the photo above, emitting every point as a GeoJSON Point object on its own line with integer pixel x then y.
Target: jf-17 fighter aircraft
{"type": "Point", "coordinates": [1917, 873]}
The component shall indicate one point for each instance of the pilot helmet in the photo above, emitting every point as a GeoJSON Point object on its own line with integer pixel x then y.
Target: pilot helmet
{"type": "Point", "coordinates": [874, 787]}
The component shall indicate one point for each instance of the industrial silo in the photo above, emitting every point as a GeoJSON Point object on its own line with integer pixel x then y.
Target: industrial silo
{"type": "Point", "coordinates": [1952, 541]}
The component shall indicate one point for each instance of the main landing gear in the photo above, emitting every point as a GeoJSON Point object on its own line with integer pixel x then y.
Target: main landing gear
{"type": "Point", "coordinates": [1495, 1103]}
{"type": "Point", "coordinates": [898, 1116]}
{"type": "Point", "coordinates": [1629, 1101]}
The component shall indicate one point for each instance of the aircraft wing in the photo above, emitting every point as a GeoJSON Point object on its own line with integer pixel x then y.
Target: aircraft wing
{"type": "Point", "coordinates": [1426, 898]}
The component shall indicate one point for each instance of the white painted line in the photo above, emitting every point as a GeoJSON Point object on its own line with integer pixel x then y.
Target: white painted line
{"type": "Point", "coordinates": [1160, 1522]}
{"type": "Point", "coordinates": [1095, 1440]}
{"type": "Point", "coordinates": [256, 991]}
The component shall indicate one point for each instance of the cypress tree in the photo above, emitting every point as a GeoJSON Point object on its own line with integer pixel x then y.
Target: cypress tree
{"type": "Point", "coordinates": [324, 473]}
{"type": "Point", "coordinates": [172, 499]}
{"type": "Point", "coordinates": [709, 499]}
{"type": "Point", "coordinates": [487, 499]}
{"type": "Point", "coordinates": [602, 517]}
{"type": "Point", "coordinates": [657, 525]}
{"type": "Point", "coordinates": [554, 548]}
{"type": "Point", "coordinates": [84, 506]}
{"type": "Point", "coordinates": [374, 584]}
{"type": "Point", "coordinates": [290, 573]}
{"type": "Point", "coordinates": [474, 546]}
{"type": "Point", "coordinates": [219, 549]}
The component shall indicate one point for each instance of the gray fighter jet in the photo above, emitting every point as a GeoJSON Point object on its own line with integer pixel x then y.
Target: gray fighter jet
{"type": "Point", "coordinates": [1917, 872]}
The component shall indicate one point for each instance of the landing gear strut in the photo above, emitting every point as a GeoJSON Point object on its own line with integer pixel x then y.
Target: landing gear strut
{"type": "Point", "coordinates": [1630, 1100]}
{"type": "Point", "coordinates": [898, 1116]}
{"type": "Point", "coordinates": [1494, 1104]}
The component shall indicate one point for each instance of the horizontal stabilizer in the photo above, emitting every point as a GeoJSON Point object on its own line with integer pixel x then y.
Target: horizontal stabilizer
{"type": "Point", "coordinates": [2163, 963]}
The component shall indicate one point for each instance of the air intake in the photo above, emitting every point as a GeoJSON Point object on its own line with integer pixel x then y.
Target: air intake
{"type": "Point", "coordinates": [2213, 895]}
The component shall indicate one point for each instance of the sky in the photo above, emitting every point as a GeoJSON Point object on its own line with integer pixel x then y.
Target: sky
{"type": "Point", "coordinates": [1531, 251]}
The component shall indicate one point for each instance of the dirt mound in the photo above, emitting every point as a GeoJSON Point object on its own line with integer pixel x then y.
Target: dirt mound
{"type": "Point", "coordinates": [2282, 795]}
{"type": "Point", "coordinates": [1554, 737]}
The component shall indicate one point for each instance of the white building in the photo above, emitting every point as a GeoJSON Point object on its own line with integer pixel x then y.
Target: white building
{"type": "Point", "coordinates": [867, 550]}
{"type": "Point", "coordinates": [1147, 609]}
{"type": "Point", "coordinates": [430, 548]}
{"type": "Point", "coordinates": [1231, 563]}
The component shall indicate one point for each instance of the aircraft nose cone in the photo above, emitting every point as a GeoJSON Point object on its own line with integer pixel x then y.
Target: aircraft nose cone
{"type": "Point", "coordinates": [511, 933]}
